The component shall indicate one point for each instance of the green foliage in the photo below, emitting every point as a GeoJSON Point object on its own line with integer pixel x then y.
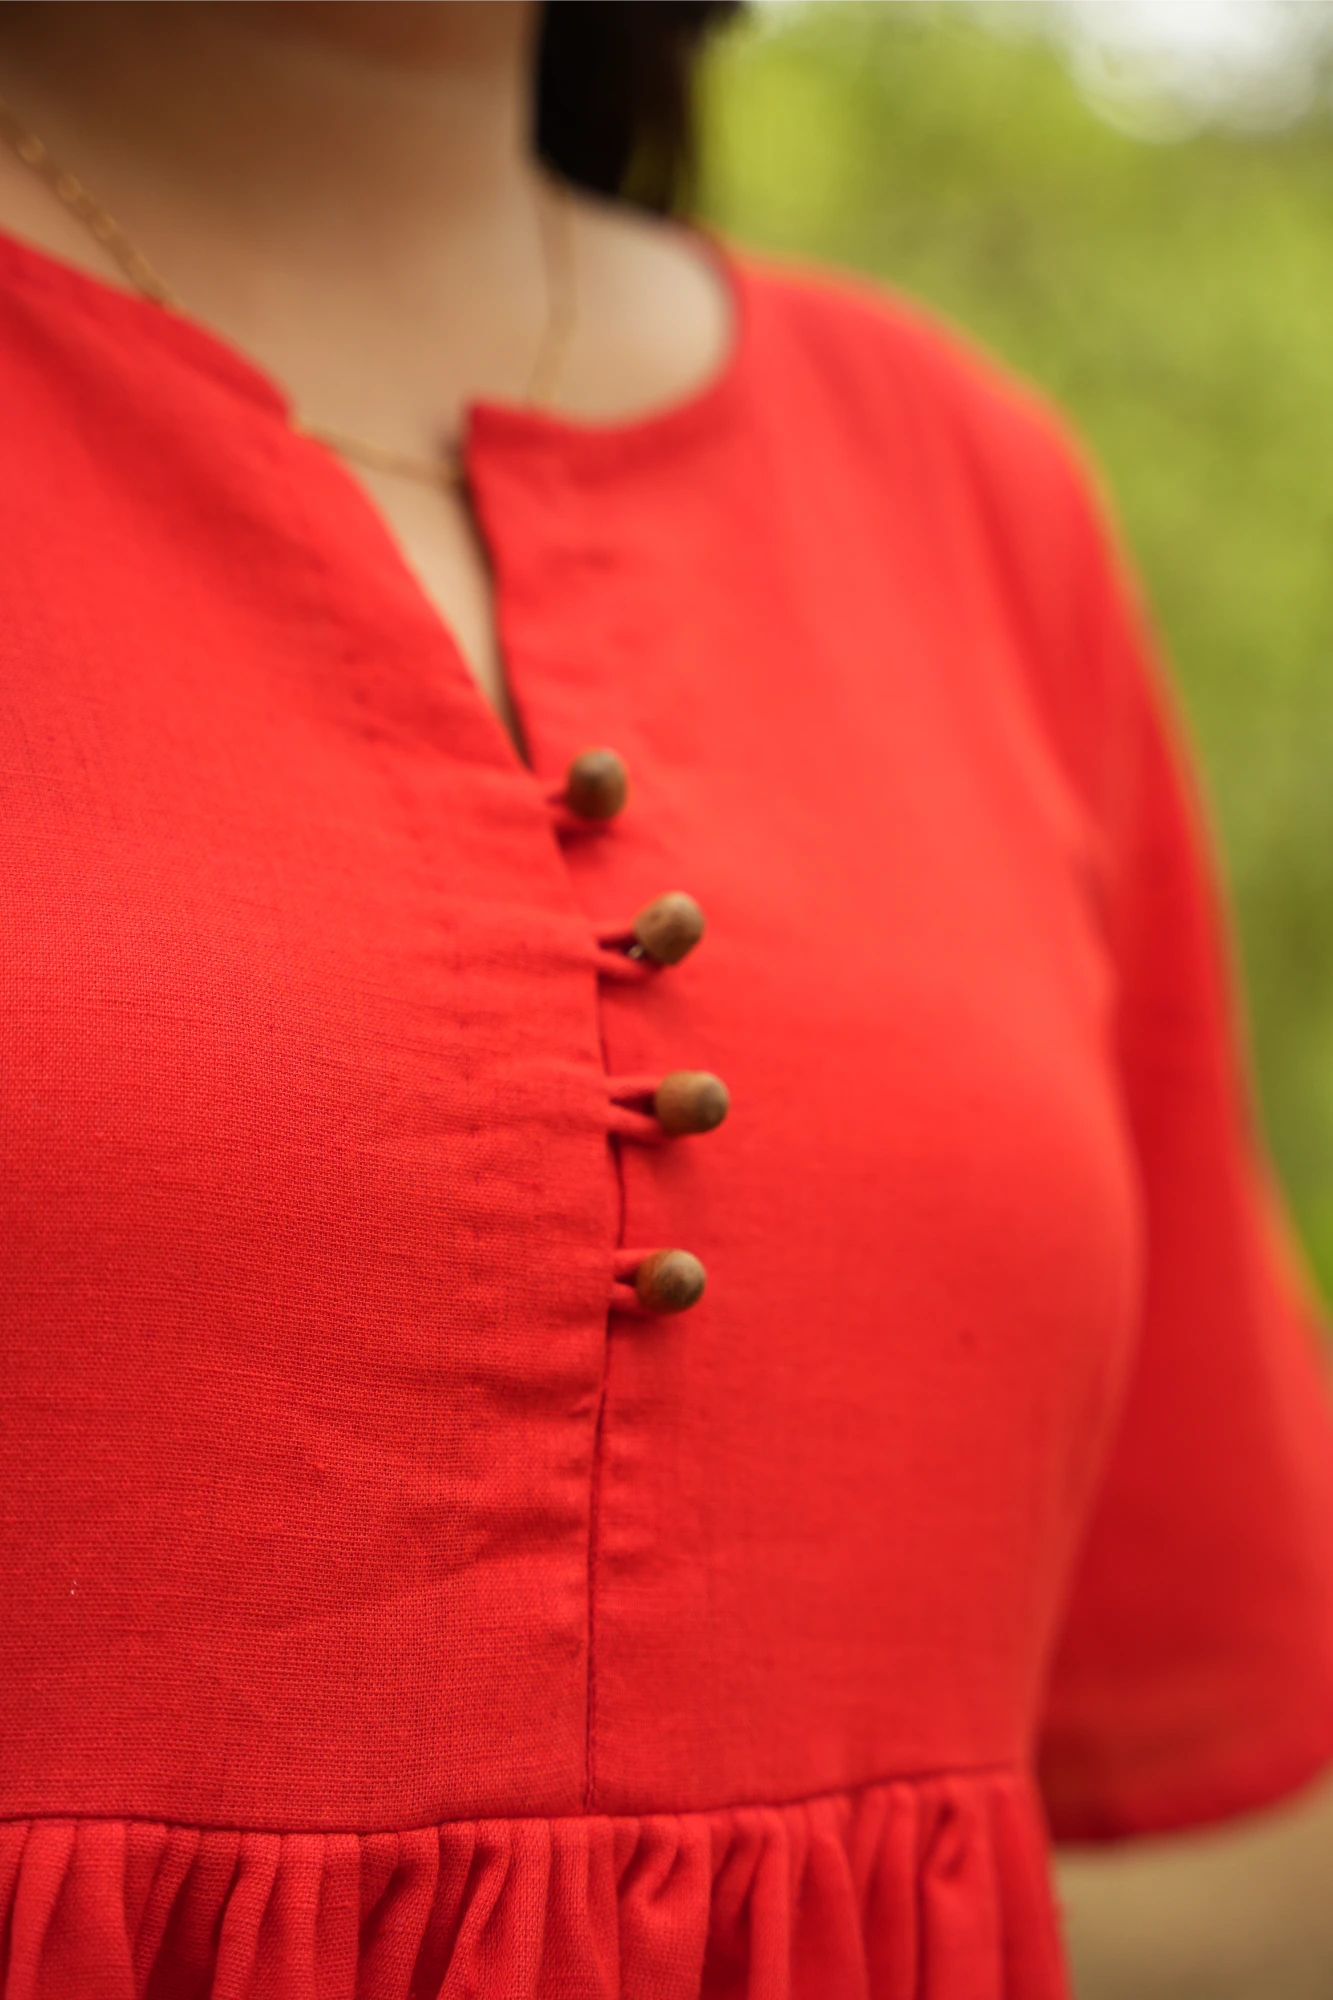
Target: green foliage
{"type": "Point", "coordinates": [1177, 301]}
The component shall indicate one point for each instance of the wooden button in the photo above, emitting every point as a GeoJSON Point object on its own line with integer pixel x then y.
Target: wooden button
{"type": "Point", "coordinates": [669, 928]}
{"type": "Point", "coordinates": [670, 1281]}
{"type": "Point", "coordinates": [690, 1100]}
{"type": "Point", "coordinates": [596, 784]}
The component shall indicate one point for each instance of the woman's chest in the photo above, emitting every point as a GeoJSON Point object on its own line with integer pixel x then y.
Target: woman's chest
{"type": "Point", "coordinates": [300, 949]}
{"type": "Point", "coordinates": [327, 1101]}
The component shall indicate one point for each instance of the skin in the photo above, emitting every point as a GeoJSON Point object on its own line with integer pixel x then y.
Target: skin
{"type": "Point", "coordinates": [345, 193]}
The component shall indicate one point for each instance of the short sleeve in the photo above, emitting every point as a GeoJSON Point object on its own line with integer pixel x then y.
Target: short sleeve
{"type": "Point", "coordinates": [1194, 1676]}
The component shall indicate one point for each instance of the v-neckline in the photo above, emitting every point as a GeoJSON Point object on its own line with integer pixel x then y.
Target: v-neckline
{"type": "Point", "coordinates": [578, 446]}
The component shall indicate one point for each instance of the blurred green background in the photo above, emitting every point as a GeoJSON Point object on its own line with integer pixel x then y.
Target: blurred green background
{"type": "Point", "coordinates": [1176, 299]}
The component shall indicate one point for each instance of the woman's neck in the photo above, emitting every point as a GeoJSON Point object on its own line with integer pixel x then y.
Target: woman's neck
{"type": "Point", "coordinates": [347, 192]}
{"type": "Point", "coordinates": [359, 172]}
{"type": "Point", "coordinates": [273, 120]}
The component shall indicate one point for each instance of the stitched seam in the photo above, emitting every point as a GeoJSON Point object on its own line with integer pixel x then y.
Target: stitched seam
{"type": "Point", "coordinates": [1014, 1771]}
{"type": "Point", "coordinates": [594, 1512]}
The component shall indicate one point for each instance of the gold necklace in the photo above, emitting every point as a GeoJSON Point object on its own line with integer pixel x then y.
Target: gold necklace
{"type": "Point", "coordinates": [446, 469]}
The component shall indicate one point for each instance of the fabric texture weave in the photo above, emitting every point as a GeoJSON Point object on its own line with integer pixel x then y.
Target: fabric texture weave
{"type": "Point", "coordinates": [390, 1609]}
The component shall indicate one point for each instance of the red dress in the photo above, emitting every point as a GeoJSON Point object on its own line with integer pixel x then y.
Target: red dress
{"type": "Point", "coordinates": [392, 1607]}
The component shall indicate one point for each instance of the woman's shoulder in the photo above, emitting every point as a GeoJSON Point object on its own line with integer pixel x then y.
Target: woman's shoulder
{"type": "Point", "coordinates": [890, 361]}
{"type": "Point", "coordinates": [669, 311]}
{"type": "Point", "coordinates": [893, 400]}
{"type": "Point", "coordinates": [918, 403]}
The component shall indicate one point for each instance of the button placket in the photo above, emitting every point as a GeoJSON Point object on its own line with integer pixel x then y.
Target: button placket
{"type": "Point", "coordinates": [648, 1110]}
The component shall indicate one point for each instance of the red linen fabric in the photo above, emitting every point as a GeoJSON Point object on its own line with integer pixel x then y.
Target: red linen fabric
{"type": "Point", "coordinates": [391, 1611]}
{"type": "Point", "coordinates": [934, 1888]}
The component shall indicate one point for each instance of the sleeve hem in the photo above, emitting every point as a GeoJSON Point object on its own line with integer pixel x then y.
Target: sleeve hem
{"type": "Point", "coordinates": [1242, 1789]}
